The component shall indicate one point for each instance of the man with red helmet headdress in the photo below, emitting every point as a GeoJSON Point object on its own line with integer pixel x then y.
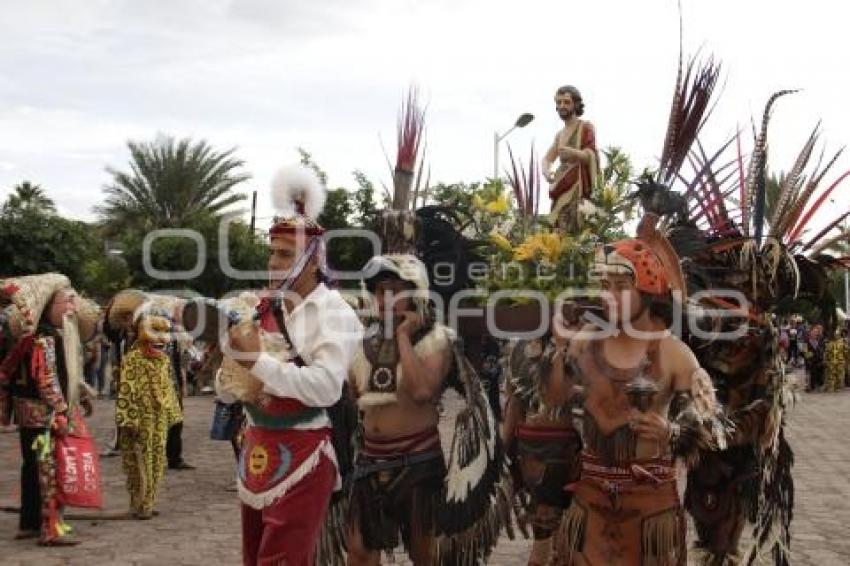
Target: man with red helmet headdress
{"type": "Point", "coordinates": [287, 363]}
{"type": "Point", "coordinates": [645, 402]}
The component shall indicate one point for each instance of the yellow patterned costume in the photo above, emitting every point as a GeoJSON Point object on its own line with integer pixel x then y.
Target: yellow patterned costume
{"type": "Point", "coordinates": [146, 408]}
{"type": "Point", "coordinates": [835, 364]}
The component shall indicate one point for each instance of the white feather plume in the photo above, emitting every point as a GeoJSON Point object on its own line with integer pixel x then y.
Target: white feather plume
{"type": "Point", "coordinates": [298, 183]}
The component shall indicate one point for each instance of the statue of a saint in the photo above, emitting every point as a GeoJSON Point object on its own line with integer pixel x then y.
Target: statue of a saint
{"type": "Point", "coordinates": [576, 175]}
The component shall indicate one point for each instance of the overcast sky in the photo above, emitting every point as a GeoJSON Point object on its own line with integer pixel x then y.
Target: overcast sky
{"type": "Point", "coordinates": [80, 78]}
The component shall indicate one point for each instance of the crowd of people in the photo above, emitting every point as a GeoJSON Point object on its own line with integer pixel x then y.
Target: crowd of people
{"type": "Point", "coordinates": [825, 358]}
{"type": "Point", "coordinates": [289, 356]}
{"type": "Point", "coordinates": [332, 413]}
{"type": "Point", "coordinates": [51, 372]}
{"type": "Point", "coordinates": [295, 363]}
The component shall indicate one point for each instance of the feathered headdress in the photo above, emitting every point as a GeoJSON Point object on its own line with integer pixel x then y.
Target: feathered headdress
{"type": "Point", "coordinates": [689, 111]}
{"type": "Point", "coordinates": [744, 213]}
{"type": "Point", "coordinates": [298, 196]}
{"type": "Point", "coordinates": [745, 232]}
{"type": "Point", "coordinates": [398, 226]}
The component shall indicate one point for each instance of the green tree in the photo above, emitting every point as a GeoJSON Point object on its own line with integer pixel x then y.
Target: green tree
{"type": "Point", "coordinates": [171, 184]}
{"type": "Point", "coordinates": [456, 195]}
{"type": "Point", "coordinates": [102, 276]}
{"type": "Point", "coordinates": [27, 196]}
{"type": "Point", "coordinates": [337, 211]}
{"type": "Point", "coordinates": [346, 209]}
{"type": "Point", "coordinates": [365, 208]}
{"type": "Point", "coordinates": [365, 211]}
{"type": "Point", "coordinates": [338, 214]}
{"type": "Point", "coordinates": [839, 247]}
{"type": "Point", "coordinates": [610, 196]}
{"type": "Point", "coordinates": [32, 241]}
{"type": "Point", "coordinates": [177, 184]}
{"type": "Point", "coordinates": [244, 251]}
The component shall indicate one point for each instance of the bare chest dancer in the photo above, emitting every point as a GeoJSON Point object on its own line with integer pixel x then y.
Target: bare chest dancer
{"type": "Point", "coordinates": [637, 386]}
{"type": "Point", "coordinates": [397, 377]}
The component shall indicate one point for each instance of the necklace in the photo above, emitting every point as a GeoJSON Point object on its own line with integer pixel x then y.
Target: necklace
{"type": "Point", "coordinates": [614, 373]}
{"type": "Point", "coordinates": [382, 353]}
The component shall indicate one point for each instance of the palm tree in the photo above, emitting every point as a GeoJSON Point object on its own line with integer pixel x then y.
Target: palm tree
{"type": "Point", "coordinates": [27, 196]}
{"type": "Point", "coordinates": [171, 183]}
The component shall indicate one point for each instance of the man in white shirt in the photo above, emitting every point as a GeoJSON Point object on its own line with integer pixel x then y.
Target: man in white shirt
{"type": "Point", "coordinates": [298, 354]}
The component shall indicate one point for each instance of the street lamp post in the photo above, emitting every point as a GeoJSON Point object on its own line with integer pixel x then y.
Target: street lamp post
{"type": "Point", "coordinates": [253, 211]}
{"type": "Point", "coordinates": [521, 122]}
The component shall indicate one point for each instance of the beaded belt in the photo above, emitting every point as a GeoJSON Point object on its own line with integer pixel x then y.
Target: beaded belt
{"type": "Point", "coordinates": [642, 472]}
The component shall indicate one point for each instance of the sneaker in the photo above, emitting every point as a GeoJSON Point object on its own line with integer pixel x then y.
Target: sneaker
{"type": "Point", "coordinates": [181, 465]}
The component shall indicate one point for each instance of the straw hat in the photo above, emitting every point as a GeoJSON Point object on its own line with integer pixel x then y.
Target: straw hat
{"type": "Point", "coordinates": [28, 297]}
{"type": "Point", "coordinates": [88, 315]}
{"type": "Point", "coordinates": [128, 305]}
{"type": "Point", "coordinates": [122, 308]}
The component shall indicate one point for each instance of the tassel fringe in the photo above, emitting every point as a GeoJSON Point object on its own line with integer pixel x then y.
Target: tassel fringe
{"type": "Point", "coordinates": [662, 540]}
{"type": "Point", "coordinates": [570, 537]}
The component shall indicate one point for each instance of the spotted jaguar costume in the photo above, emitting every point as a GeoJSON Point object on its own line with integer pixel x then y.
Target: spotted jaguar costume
{"type": "Point", "coordinates": [146, 407]}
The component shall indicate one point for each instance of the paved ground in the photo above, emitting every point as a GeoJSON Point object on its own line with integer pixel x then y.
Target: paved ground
{"type": "Point", "coordinates": [199, 522]}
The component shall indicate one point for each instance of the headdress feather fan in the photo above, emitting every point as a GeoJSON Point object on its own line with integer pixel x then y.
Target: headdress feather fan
{"type": "Point", "coordinates": [297, 189]}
